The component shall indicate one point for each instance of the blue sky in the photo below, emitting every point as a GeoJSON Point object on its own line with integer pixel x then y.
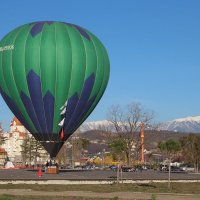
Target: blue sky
{"type": "Point", "coordinates": [154, 49]}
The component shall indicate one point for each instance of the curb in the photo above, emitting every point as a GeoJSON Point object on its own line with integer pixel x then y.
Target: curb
{"type": "Point", "coordinates": [90, 182]}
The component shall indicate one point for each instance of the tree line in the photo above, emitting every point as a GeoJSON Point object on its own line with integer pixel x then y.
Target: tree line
{"type": "Point", "coordinates": [125, 148]}
{"type": "Point", "coordinates": [187, 146]}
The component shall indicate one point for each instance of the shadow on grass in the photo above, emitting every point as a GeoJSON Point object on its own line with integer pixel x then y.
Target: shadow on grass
{"type": "Point", "coordinates": [6, 197]}
{"type": "Point", "coordinates": [147, 185]}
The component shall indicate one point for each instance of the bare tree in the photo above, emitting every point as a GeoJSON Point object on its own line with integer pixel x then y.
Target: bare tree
{"type": "Point", "coordinates": [126, 122]}
{"type": "Point", "coordinates": [191, 149]}
{"type": "Point", "coordinates": [62, 155]}
{"type": "Point", "coordinates": [75, 150]}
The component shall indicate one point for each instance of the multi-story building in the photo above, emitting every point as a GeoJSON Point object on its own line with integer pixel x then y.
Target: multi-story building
{"type": "Point", "coordinates": [14, 140]}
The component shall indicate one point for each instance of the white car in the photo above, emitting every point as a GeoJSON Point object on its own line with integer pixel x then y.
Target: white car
{"type": "Point", "coordinates": [187, 169]}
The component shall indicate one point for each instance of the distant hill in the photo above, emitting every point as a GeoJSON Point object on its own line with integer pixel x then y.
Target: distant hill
{"type": "Point", "coordinates": [97, 133]}
{"type": "Point", "coordinates": [100, 139]}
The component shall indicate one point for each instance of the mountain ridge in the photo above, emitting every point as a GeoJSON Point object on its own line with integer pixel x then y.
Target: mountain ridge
{"type": "Point", "coordinates": [189, 124]}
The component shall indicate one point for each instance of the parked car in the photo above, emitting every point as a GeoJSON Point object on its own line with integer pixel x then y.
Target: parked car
{"type": "Point", "coordinates": [128, 169]}
{"type": "Point", "coordinates": [174, 169]}
{"type": "Point", "coordinates": [187, 168]}
{"type": "Point", "coordinates": [113, 168]}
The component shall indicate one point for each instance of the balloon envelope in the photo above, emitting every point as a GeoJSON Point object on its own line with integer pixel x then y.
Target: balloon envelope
{"type": "Point", "coordinates": [52, 75]}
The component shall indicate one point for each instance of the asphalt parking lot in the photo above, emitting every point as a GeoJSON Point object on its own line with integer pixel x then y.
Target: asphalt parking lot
{"type": "Point", "coordinates": [24, 174]}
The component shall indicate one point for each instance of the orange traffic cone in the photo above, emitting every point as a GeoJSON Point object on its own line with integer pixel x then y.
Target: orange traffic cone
{"type": "Point", "coordinates": [39, 172]}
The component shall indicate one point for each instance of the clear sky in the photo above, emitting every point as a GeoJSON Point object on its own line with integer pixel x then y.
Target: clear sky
{"type": "Point", "coordinates": [154, 49]}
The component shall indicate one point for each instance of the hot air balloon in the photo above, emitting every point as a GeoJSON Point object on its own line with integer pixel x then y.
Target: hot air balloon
{"type": "Point", "coordinates": [52, 75]}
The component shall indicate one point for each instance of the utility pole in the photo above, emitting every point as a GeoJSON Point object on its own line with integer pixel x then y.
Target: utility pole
{"type": "Point", "coordinates": [72, 153]}
{"type": "Point", "coordinates": [75, 150]}
{"type": "Point", "coordinates": [142, 143]}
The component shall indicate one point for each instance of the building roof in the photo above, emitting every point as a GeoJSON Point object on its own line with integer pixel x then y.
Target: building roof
{"type": "Point", "coordinates": [15, 122]}
{"type": "Point", "coordinates": [2, 150]}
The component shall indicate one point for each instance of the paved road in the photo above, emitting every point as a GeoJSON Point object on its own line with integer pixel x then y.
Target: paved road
{"type": "Point", "coordinates": [93, 175]}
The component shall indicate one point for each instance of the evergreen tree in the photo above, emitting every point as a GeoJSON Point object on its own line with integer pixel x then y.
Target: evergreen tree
{"type": "Point", "coordinates": [31, 149]}
{"type": "Point", "coordinates": [170, 148]}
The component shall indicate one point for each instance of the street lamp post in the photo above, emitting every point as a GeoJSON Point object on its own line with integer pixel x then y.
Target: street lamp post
{"type": "Point", "coordinates": [104, 158]}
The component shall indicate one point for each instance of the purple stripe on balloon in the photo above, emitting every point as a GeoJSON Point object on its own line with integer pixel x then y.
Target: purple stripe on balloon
{"type": "Point", "coordinates": [80, 29]}
{"type": "Point", "coordinates": [49, 22]}
{"type": "Point", "coordinates": [30, 110]}
{"type": "Point", "coordinates": [82, 32]}
{"type": "Point", "coordinates": [35, 90]}
{"type": "Point", "coordinates": [38, 26]}
{"type": "Point", "coordinates": [83, 100]}
{"type": "Point", "coordinates": [82, 114]}
{"type": "Point", "coordinates": [13, 107]}
{"type": "Point", "coordinates": [48, 100]}
{"type": "Point", "coordinates": [71, 105]}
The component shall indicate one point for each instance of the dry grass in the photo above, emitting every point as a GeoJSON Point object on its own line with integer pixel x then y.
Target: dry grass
{"type": "Point", "coordinates": [151, 188]}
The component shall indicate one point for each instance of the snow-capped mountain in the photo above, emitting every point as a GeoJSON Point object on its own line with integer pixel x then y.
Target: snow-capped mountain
{"type": "Point", "coordinates": [187, 124]}
{"type": "Point", "coordinates": [96, 125]}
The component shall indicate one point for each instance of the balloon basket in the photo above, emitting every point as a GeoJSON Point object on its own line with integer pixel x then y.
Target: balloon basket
{"type": "Point", "coordinates": [52, 170]}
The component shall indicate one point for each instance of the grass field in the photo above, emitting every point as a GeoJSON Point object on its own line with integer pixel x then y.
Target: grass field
{"type": "Point", "coordinates": [152, 187]}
